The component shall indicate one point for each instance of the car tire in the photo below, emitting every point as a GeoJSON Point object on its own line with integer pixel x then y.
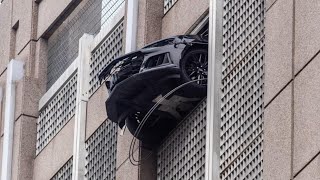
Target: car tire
{"type": "Point", "coordinates": [195, 63]}
{"type": "Point", "coordinates": [151, 134]}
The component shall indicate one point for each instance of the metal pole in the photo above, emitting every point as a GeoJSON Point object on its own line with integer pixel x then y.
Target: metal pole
{"type": "Point", "coordinates": [132, 24]}
{"type": "Point", "coordinates": [15, 72]}
{"type": "Point", "coordinates": [212, 171]}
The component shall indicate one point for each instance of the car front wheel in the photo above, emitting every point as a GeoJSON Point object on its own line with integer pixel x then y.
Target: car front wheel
{"type": "Point", "coordinates": [194, 66]}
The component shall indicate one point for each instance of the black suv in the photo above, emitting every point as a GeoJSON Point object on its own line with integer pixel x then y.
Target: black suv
{"type": "Point", "coordinates": [136, 81]}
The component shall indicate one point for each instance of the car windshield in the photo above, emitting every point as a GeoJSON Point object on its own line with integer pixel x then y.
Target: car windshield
{"type": "Point", "coordinates": [160, 43]}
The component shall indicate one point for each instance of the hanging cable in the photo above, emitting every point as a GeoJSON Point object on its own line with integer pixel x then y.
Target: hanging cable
{"type": "Point", "coordinates": [133, 161]}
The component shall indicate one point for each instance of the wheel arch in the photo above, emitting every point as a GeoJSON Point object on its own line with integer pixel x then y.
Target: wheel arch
{"type": "Point", "coordinates": [194, 46]}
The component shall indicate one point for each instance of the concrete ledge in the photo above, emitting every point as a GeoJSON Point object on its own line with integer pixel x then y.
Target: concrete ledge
{"type": "Point", "coordinates": [58, 84]}
{"type": "Point", "coordinates": [52, 13]}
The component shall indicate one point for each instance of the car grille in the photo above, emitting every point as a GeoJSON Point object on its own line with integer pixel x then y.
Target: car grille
{"type": "Point", "coordinates": [157, 60]}
{"type": "Point", "coordinates": [126, 69]}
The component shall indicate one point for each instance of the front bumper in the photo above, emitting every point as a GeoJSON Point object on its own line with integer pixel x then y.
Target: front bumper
{"type": "Point", "coordinates": [136, 93]}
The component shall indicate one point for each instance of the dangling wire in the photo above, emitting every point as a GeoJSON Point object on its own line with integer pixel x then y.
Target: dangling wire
{"type": "Point", "coordinates": [133, 161]}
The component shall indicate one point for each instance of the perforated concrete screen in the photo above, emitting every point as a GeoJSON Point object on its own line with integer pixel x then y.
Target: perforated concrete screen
{"type": "Point", "coordinates": [104, 54]}
{"type": "Point", "coordinates": [63, 45]}
{"type": "Point", "coordinates": [102, 152]}
{"type": "Point", "coordinates": [182, 154]}
{"type": "Point", "coordinates": [168, 4]}
{"type": "Point", "coordinates": [65, 172]}
{"type": "Point", "coordinates": [241, 134]}
{"type": "Point", "coordinates": [57, 113]}
{"type": "Point", "coordinates": [242, 89]}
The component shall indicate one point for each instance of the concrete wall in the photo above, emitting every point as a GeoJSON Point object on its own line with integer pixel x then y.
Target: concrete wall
{"type": "Point", "coordinates": [152, 24]}
{"type": "Point", "coordinates": [149, 21]}
{"type": "Point", "coordinates": [49, 12]}
{"type": "Point", "coordinates": [24, 147]}
{"type": "Point", "coordinates": [55, 154]}
{"type": "Point", "coordinates": [96, 113]}
{"type": "Point", "coordinates": [22, 18]}
{"type": "Point", "coordinates": [291, 147]}
{"type": "Point", "coordinates": [18, 20]}
{"type": "Point", "coordinates": [183, 16]}
{"type": "Point", "coordinates": [5, 32]}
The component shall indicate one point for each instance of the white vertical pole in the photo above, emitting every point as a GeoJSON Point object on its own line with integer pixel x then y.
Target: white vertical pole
{"type": "Point", "coordinates": [79, 151]}
{"type": "Point", "coordinates": [212, 171]}
{"type": "Point", "coordinates": [15, 72]}
{"type": "Point", "coordinates": [132, 24]}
